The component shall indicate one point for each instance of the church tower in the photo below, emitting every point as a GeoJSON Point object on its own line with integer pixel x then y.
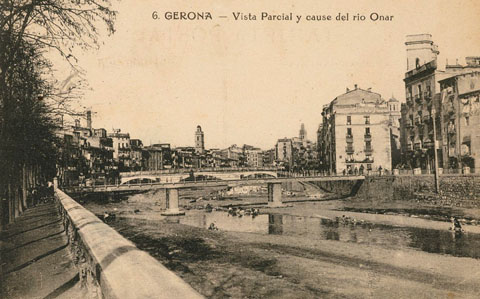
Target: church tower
{"type": "Point", "coordinates": [303, 133]}
{"type": "Point", "coordinates": [420, 50]}
{"type": "Point", "coordinates": [199, 141]}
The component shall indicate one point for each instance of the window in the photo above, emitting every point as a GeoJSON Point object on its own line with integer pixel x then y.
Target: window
{"type": "Point", "coordinates": [368, 144]}
{"type": "Point", "coordinates": [367, 131]}
{"type": "Point", "coordinates": [349, 131]}
{"type": "Point", "coordinates": [349, 119]}
{"type": "Point", "coordinates": [369, 166]}
{"type": "Point", "coordinates": [367, 120]}
{"type": "Point", "coordinates": [467, 120]}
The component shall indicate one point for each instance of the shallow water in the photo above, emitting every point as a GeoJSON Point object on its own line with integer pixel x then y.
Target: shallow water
{"type": "Point", "coordinates": [429, 240]}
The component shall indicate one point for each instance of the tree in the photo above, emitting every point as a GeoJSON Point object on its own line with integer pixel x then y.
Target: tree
{"type": "Point", "coordinates": [28, 97]}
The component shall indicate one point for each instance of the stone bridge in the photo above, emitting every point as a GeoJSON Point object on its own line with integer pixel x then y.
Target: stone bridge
{"type": "Point", "coordinates": [274, 185]}
{"type": "Point", "coordinates": [151, 177]}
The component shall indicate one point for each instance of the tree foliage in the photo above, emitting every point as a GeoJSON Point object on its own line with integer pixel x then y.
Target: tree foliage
{"type": "Point", "coordinates": [29, 97]}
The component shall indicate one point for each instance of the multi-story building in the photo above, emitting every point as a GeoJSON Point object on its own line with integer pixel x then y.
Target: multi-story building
{"type": "Point", "coordinates": [395, 114]}
{"type": "Point", "coordinates": [121, 147]}
{"type": "Point", "coordinates": [136, 154]}
{"type": "Point", "coordinates": [422, 95]}
{"type": "Point", "coordinates": [284, 152]}
{"type": "Point", "coordinates": [269, 157]}
{"type": "Point", "coordinates": [460, 114]}
{"type": "Point", "coordinates": [156, 156]}
{"type": "Point", "coordinates": [355, 133]}
{"type": "Point", "coordinates": [254, 157]}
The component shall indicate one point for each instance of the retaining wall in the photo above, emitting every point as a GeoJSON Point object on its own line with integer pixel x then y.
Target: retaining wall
{"type": "Point", "coordinates": [111, 266]}
{"type": "Point", "coordinates": [455, 189]}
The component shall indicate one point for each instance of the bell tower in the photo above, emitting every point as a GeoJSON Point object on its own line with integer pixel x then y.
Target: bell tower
{"type": "Point", "coordinates": [303, 133]}
{"type": "Point", "coordinates": [420, 50]}
{"type": "Point", "coordinates": [199, 141]}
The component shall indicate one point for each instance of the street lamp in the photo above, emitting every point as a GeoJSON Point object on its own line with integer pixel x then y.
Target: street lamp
{"type": "Point", "coordinates": [437, 183]}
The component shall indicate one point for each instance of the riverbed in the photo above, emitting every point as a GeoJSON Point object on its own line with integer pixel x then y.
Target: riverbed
{"type": "Point", "coordinates": [306, 250]}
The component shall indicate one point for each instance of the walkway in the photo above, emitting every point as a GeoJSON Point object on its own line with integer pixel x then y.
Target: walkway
{"type": "Point", "coordinates": [35, 258]}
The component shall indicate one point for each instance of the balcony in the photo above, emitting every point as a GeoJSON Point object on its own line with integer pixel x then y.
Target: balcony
{"type": "Point", "coordinates": [349, 150]}
{"type": "Point", "coordinates": [409, 146]}
{"type": "Point", "coordinates": [368, 149]}
{"type": "Point", "coordinates": [368, 137]}
{"type": "Point", "coordinates": [410, 101]}
{"type": "Point", "coordinates": [349, 138]}
{"type": "Point", "coordinates": [451, 129]}
{"type": "Point", "coordinates": [368, 160]}
{"type": "Point", "coordinates": [418, 99]}
{"type": "Point", "coordinates": [427, 95]}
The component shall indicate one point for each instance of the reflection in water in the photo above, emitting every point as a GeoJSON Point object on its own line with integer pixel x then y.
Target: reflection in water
{"type": "Point", "coordinates": [275, 224]}
{"type": "Point", "coordinates": [226, 222]}
{"type": "Point", "coordinates": [429, 240]}
{"type": "Point", "coordinates": [314, 228]}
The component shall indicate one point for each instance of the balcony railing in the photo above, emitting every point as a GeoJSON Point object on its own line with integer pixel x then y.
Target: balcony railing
{"type": "Point", "coordinates": [349, 149]}
{"type": "Point", "coordinates": [349, 138]}
{"type": "Point", "coordinates": [368, 149]}
{"type": "Point", "coordinates": [368, 137]}
{"type": "Point", "coordinates": [427, 95]}
{"type": "Point", "coordinates": [418, 98]}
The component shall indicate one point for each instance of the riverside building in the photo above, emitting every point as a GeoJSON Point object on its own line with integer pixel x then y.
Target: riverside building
{"type": "Point", "coordinates": [355, 133]}
{"type": "Point", "coordinates": [424, 105]}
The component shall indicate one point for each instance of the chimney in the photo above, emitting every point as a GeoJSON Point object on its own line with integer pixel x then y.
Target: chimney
{"type": "Point", "coordinates": [355, 86]}
{"type": "Point", "coordinates": [348, 89]}
{"type": "Point", "coordinates": [89, 119]}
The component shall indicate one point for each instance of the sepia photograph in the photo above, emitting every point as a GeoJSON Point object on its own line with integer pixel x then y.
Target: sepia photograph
{"type": "Point", "coordinates": [239, 149]}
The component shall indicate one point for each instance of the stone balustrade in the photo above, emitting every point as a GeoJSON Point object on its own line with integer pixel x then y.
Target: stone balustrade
{"type": "Point", "coordinates": [110, 266]}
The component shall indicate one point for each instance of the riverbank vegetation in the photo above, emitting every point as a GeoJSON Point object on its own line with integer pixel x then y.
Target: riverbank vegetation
{"type": "Point", "coordinates": [32, 101]}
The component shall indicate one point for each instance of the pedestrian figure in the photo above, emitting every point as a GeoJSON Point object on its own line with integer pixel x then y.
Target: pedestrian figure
{"type": "Point", "coordinates": [212, 226]}
{"type": "Point", "coordinates": [456, 226]}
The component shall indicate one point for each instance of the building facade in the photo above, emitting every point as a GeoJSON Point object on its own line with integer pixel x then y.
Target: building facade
{"type": "Point", "coordinates": [460, 114]}
{"type": "Point", "coordinates": [423, 97]}
{"type": "Point", "coordinates": [284, 152]}
{"type": "Point", "coordinates": [355, 133]}
{"type": "Point", "coordinates": [254, 157]}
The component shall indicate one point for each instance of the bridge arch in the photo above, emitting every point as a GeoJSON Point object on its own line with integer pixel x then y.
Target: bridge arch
{"type": "Point", "coordinates": [139, 180]}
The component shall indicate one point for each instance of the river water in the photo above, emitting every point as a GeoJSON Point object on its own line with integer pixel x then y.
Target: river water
{"type": "Point", "coordinates": [316, 228]}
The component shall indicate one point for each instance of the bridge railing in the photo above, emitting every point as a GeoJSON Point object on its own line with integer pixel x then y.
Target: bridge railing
{"type": "Point", "coordinates": [112, 266]}
{"type": "Point", "coordinates": [207, 169]}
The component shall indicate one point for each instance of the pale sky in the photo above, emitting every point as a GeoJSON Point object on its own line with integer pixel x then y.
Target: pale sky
{"type": "Point", "coordinates": [256, 81]}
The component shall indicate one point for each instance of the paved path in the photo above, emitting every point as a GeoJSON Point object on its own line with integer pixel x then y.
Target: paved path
{"type": "Point", "coordinates": [35, 259]}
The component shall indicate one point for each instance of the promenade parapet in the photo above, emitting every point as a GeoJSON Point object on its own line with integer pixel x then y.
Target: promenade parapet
{"type": "Point", "coordinates": [110, 265]}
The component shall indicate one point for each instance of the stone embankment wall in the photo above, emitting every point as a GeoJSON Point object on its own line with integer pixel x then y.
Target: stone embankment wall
{"type": "Point", "coordinates": [455, 190]}
{"type": "Point", "coordinates": [110, 266]}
